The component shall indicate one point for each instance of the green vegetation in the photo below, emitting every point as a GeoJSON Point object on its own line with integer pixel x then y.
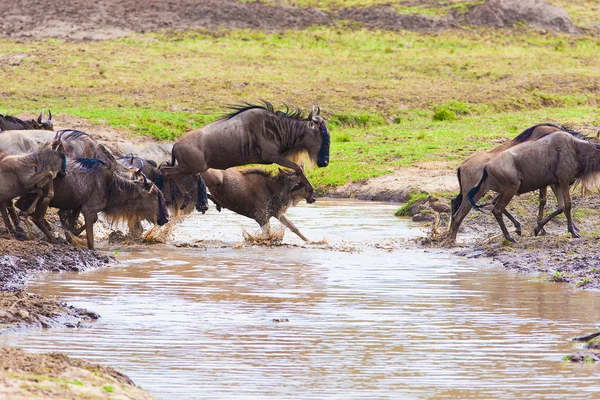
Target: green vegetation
{"type": "Point", "coordinates": [392, 99]}
{"type": "Point", "coordinates": [108, 388]}
{"type": "Point", "coordinates": [405, 208]}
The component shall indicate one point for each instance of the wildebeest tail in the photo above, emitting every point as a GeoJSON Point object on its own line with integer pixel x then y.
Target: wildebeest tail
{"type": "Point", "coordinates": [202, 197]}
{"type": "Point", "coordinates": [473, 192]}
{"type": "Point", "coordinates": [456, 202]}
{"type": "Point", "coordinates": [172, 159]}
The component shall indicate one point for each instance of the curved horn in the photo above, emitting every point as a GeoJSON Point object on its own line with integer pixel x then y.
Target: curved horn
{"type": "Point", "coordinates": [49, 115]}
{"type": "Point", "coordinates": [145, 179]}
{"type": "Point", "coordinates": [318, 111]}
{"type": "Point", "coordinates": [40, 116]}
{"type": "Point", "coordinates": [59, 136]}
{"type": "Point", "coordinates": [139, 171]}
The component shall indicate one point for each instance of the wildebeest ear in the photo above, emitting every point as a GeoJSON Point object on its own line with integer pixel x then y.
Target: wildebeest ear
{"type": "Point", "coordinates": [297, 186]}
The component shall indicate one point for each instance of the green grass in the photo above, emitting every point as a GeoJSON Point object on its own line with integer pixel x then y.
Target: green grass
{"type": "Point", "coordinates": [403, 211]}
{"type": "Point", "coordinates": [392, 99]}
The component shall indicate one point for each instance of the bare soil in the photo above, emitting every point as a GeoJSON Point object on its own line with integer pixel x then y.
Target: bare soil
{"type": "Point", "coordinates": [107, 19]}
{"type": "Point", "coordinates": [24, 376]}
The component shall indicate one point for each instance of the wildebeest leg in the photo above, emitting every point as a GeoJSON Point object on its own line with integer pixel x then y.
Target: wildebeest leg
{"type": "Point", "coordinates": [498, 211]}
{"type": "Point", "coordinates": [284, 162]}
{"type": "Point", "coordinates": [285, 221]}
{"type": "Point", "coordinates": [266, 229]}
{"type": "Point", "coordinates": [559, 193]}
{"type": "Point", "coordinates": [6, 220]}
{"type": "Point", "coordinates": [39, 214]}
{"type": "Point", "coordinates": [542, 205]}
{"type": "Point", "coordinates": [21, 235]}
{"type": "Point", "coordinates": [136, 229]}
{"type": "Point", "coordinates": [89, 219]}
{"type": "Point", "coordinates": [570, 225]}
{"type": "Point", "coordinates": [515, 221]}
{"type": "Point", "coordinates": [217, 205]}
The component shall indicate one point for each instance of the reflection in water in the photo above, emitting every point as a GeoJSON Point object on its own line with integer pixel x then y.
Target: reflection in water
{"type": "Point", "coordinates": [198, 323]}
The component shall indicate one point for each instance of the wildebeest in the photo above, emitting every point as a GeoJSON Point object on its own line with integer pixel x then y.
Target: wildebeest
{"type": "Point", "coordinates": [9, 123]}
{"type": "Point", "coordinates": [251, 134]}
{"type": "Point", "coordinates": [92, 187]}
{"type": "Point", "coordinates": [257, 194]}
{"type": "Point", "coordinates": [557, 160]}
{"type": "Point", "coordinates": [470, 171]}
{"type": "Point", "coordinates": [32, 172]}
{"type": "Point", "coordinates": [76, 144]}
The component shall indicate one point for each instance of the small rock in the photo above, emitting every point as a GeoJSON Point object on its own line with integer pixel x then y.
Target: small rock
{"type": "Point", "coordinates": [424, 217]}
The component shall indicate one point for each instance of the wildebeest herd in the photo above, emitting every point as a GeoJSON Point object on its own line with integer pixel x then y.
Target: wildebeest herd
{"type": "Point", "coordinates": [72, 172]}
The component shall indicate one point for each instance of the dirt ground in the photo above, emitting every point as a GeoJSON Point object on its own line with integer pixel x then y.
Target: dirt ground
{"type": "Point", "coordinates": [107, 19]}
{"type": "Point", "coordinates": [25, 376]}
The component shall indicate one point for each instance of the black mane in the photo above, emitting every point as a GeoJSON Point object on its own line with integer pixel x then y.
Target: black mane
{"type": "Point", "coordinates": [526, 134]}
{"type": "Point", "coordinates": [73, 134]}
{"type": "Point", "coordinates": [290, 112]}
{"type": "Point", "coordinates": [14, 120]}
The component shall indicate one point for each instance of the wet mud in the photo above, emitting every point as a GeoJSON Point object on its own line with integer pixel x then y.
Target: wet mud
{"type": "Point", "coordinates": [20, 310]}
{"type": "Point", "coordinates": [554, 257]}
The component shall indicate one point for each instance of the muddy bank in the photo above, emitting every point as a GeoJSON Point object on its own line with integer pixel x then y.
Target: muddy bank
{"type": "Point", "coordinates": [99, 20]}
{"type": "Point", "coordinates": [19, 310]}
{"type": "Point", "coordinates": [555, 257]}
{"type": "Point", "coordinates": [56, 376]}
{"type": "Point", "coordinates": [20, 259]}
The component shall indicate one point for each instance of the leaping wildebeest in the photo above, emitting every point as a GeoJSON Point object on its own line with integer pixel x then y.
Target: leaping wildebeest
{"type": "Point", "coordinates": [251, 134]}
{"type": "Point", "coordinates": [557, 160]}
{"type": "Point", "coordinates": [10, 123]}
{"type": "Point", "coordinates": [257, 194]}
{"type": "Point", "coordinates": [470, 171]}
{"type": "Point", "coordinates": [92, 187]}
{"type": "Point", "coordinates": [32, 172]}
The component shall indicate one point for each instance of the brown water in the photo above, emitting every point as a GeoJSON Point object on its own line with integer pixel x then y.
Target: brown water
{"type": "Point", "coordinates": [189, 323]}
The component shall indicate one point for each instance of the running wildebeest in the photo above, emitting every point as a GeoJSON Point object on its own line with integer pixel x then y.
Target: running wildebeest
{"type": "Point", "coordinates": [470, 171]}
{"type": "Point", "coordinates": [76, 144]}
{"type": "Point", "coordinates": [251, 134]}
{"type": "Point", "coordinates": [257, 194]}
{"type": "Point", "coordinates": [92, 187]}
{"type": "Point", "coordinates": [10, 123]}
{"type": "Point", "coordinates": [557, 160]}
{"type": "Point", "coordinates": [32, 172]}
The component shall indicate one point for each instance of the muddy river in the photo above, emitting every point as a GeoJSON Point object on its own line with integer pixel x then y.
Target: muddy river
{"type": "Point", "coordinates": [361, 317]}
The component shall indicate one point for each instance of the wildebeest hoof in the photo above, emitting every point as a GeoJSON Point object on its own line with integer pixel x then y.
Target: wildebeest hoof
{"type": "Point", "coordinates": [518, 231]}
{"type": "Point", "coordinates": [202, 208]}
{"type": "Point", "coordinates": [575, 234]}
{"type": "Point", "coordinates": [510, 239]}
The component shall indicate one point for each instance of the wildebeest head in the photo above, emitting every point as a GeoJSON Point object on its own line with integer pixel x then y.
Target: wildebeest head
{"type": "Point", "coordinates": [45, 123]}
{"type": "Point", "coordinates": [294, 188]}
{"type": "Point", "coordinates": [318, 124]}
{"type": "Point", "coordinates": [162, 216]}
